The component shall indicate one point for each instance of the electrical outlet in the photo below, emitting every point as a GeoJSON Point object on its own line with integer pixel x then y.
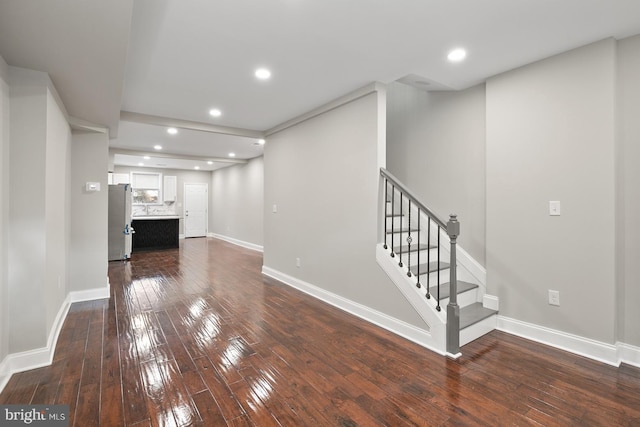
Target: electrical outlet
{"type": "Point", "coordinates": [298, 262]}
{"type": "Point", "coordinates": [554, 297]}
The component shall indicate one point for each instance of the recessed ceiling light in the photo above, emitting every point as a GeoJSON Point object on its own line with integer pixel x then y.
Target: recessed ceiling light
{"type": "Point", "coordinates": [196, 167]}
{"type": "Point", "coordinates": [457, 55]}
{"type": "Point", "coordinates": [157, 147]}
{"type": "Point", "coordinates": [209, 162]}
{"type": "Point", "coordinates": [261, 141]}
{"type": "Point", "coordinates": [263, 73]}
{"type": "Point", "coordinates": [140, 164]}
{"type": "Point", "coordinates": [146, 157]}
{"type": "Point", "coordinates": [172, 131]}
{"type": "Point", "coordinates": [215, 112]}
{"type": "Point", "coordinates": [232, 154]}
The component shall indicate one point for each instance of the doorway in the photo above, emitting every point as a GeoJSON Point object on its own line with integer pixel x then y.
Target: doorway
{"type": "Point", "coordinates": [196, 200]}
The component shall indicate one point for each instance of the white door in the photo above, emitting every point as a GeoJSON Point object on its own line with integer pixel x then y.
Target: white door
{"type": "Point", "coordinates": [196, 200]}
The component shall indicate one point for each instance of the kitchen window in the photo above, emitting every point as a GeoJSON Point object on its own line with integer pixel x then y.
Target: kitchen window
{"type": "Point", "coordinates": [146, 188]}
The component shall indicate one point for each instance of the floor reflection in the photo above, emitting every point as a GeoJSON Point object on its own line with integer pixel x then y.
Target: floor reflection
{"type": "Point", "coordinates": [198, 336]}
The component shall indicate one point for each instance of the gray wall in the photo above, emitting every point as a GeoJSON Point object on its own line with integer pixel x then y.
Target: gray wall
{"type": "Point", "coordinates": [550, 136]}
{"type": "Point", "coordinates": [4, 209]}
{"type": "Point", "coordinates": [628, 166]}
{"type": "Point", "coordinates": [42, 176]}
{"type": "Point", "coordinates": [57, 213]}
{"type": "Point", "coordinates": [436, 146]}
{"type": "Point", "coordinates": [89, 212]}
{"type": "Point", "coordinates": [183, 177]}
{"type": "Point", "coordinates": [38, 209]}
{"type": "Point", "coordinates": [323, 176]}
{"type": "Point", "coordinates": [27, 229]}
{"type": "Point", "coordinates": [237, 200]}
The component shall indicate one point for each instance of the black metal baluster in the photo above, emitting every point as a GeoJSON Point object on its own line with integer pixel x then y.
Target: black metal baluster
{"type": "Point", "coordinates": [453, 230]}
{"type": "Point", "coordinates": [400, 239]}
{"type": "Point", "coordinates": [393, 216]}
{"type": "Point", "coordinates": [409, 239]}
{"type": "Point", "coordinates": [418, 285]}
{"type": "Point", "coordinates": [438, 281]}
{"type": "Point", "coordinates": [386, 210]}
{"type": "Point", "coordinates": [428, 257]}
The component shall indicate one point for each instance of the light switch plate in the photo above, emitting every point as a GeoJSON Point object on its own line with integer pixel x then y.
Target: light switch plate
{"type": "Point", "coordinates": [554, 208]}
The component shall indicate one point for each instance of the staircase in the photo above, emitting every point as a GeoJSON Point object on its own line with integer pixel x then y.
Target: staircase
{"type": "Point", "coordinates": [417, 253]}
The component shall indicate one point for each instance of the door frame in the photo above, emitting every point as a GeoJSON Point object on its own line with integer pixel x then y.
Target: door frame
{"type": "Point", "coordinates": [206, 209]}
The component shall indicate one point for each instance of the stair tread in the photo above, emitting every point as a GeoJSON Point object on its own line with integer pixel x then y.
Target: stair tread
{"type": "Point", "coordinates": [414, 248]}
{"type": "Point", "coordinates": [444, 289]}
{"type": "Point", "coordinates": [430, 268]}
{"type": "Point", "coordinates": [473, 314]}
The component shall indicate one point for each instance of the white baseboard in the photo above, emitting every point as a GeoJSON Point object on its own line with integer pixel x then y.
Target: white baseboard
{"type": "Point", "coordinates": [181, 236]}
{"type": "Point", "coordinates": [629, 354]}
{"type": "Point", "coordinates": [5, 375]}
{"type": "Point", "coordinates": [237, 242]}
{"type": "Point", "coordinates": [36, 358]}
{"type": "Point", "coordinates": [596, 350]}
{"type": "Point", "coordinates": [491, 302]}
{"type": "Point", "coordinates": [90, 294]}
{"type": "Point", "coordinates": [398, 327]}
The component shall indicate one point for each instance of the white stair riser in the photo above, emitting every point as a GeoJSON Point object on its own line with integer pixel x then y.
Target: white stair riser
{"type": "Point", "coordinates": [412, 259]}
{"type": "Point", "coordinates": [424, 236]}
{"type": "Point", "coordinates": [479, 329]}
{"type": "Point", "coordinates": [401, 238]}
{"type": "Point", "coordinates": [444, 263]}
{"type": "Point", "coordinates": [396, 223]}
{"type": "Point", "coordinates": [464, 299]}
{"type": "Point", "coordinates": [433, 277]}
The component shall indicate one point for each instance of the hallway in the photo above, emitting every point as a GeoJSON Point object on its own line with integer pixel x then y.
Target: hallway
{"type": "Point", "coordinates": [198, 336]}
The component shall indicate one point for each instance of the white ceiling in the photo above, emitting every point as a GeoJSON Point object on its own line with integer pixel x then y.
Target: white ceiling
{"type": "Point", "coordinates": [188, 56]}
{"type": "Point", "coordinates": [139, 161]}
{"type": "Point", "coordinates": [81, 44]}
{"type": "Point", "coordinates": [194, 148]}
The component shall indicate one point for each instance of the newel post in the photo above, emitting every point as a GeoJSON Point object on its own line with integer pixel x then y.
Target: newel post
{"type": "Point", "coordinates": [453, 310]}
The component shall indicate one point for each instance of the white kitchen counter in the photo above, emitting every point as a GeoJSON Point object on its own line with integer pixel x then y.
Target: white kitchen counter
{"type": "Point", "coordinates": [152, 217]}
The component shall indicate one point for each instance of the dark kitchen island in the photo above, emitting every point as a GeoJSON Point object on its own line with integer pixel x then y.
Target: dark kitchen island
{"type": "Point", "coordinates": [154, 233]}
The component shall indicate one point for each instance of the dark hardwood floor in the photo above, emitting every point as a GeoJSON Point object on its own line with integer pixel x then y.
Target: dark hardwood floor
{"type": "Point", "coordinates": [198, 336]}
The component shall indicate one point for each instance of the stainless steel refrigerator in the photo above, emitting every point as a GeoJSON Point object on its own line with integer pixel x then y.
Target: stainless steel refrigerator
{"type": "Point", "coordinates": [120, 230]}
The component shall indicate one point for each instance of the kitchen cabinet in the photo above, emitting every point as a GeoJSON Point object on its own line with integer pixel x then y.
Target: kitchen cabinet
{"type": "Point", "coordinates": [170, 191]}
{"type": "Point", "coordinates": [117, 178]}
